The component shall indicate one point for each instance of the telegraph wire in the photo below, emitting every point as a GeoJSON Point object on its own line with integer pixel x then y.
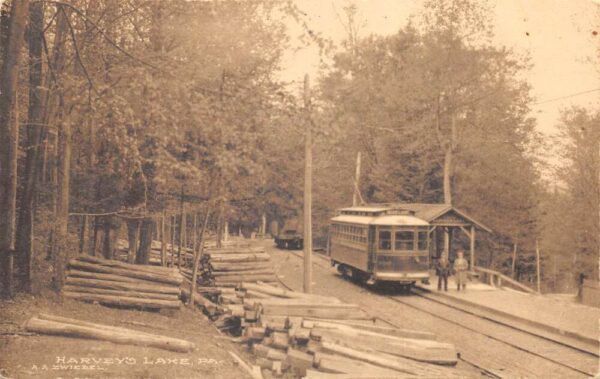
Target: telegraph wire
{"type": "Point", "coordinates": [566, 96]}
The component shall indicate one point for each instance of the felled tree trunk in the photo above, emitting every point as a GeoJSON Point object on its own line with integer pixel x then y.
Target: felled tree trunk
{"type": "Point", "coordinates": [70, 327]}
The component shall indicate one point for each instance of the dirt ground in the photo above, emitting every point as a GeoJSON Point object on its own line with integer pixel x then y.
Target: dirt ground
{"type": "Point", "coordinates": [39, 356]}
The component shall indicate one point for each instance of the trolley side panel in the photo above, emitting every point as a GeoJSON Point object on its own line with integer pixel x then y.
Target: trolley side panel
{"type": "Point", "coordinates": [353, 256]}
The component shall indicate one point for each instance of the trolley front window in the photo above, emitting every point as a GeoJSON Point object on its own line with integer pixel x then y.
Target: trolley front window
{"type": "Point", "coordinates": [385, 240]}
{"type": "Point", "coordinates": [405, 240]}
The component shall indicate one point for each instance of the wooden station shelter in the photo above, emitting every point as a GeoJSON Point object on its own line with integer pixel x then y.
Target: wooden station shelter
{"type": "Point", "coordinates": [446, 221]}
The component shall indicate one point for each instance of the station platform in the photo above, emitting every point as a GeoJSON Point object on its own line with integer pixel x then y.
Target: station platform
{"type": "Point", "coordinates": [550, 313]}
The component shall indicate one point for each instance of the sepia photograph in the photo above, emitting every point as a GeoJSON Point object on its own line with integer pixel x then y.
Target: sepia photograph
{"type": "Point", "coordinates": [318, 189]}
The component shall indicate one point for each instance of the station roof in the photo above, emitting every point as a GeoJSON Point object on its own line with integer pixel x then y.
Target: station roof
{"type": "Point", "coordinates": [432, 212]}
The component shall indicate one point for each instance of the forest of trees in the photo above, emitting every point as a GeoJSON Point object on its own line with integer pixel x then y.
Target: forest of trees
{"type": "Point", "coordinates": [129, 111]}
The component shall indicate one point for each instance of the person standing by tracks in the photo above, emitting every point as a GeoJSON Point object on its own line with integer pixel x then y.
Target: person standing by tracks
{"type": "Point", "coordinates": [443, 270]}
{"type": "Point", "coordinates": [461, 265]}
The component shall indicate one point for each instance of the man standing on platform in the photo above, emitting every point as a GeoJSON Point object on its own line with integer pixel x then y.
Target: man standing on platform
{"type": "Point", "coordinates": [461, 265]}
{"type": "Point", "coordinates": [443, 270]}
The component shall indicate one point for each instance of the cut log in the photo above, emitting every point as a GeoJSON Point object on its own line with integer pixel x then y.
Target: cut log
{"type": "Point", "coordinates": [283, 293]}
{"type": "Point", "coordinates": [225, 274]}
{"type": "Point", "coordinates": [67, 320]}
{"type": "Point", "coordinates": [228, 266]}
{"type": "Point", "coordinates": [236, 279]}
{"type": "Point", "coordinates": [366, 334]}
{"type": "Point", "coordinates": [209, 306]}
{"type": "Point", "coordinates": [318, 311]}
{"type": "Point", "coordinates": [103, 291]}
{"type": "Point", "coordinates": [38, 325]}
{"type": "Point", "coordinates": [234, 250]}
{"type": "Point", "coordinates": [365, 357]}
{"type": "Point", "coordinates": [337, 324]}
{"type": "Point", "coordinates": [123, 300]}
{"type": "Point", "coordinates": [216, 290]}
{"type": "Point", "coordinates": [255, 295]}
{"type": "Point", "coordinates": [267, 352]}
{"type": "Point", "coordinates": [443, 355]}
{"type": "Point", "coordinates": [339, 364]}
{"type": "Point", "coordinates": [278, 340]}
{"type": "Point", "coordinates": [235, 310]}
{"type": "Point", "coordinates": [113, 278]}
{"type": "Point", "coordinates": [164, 271]}
{"type": "Point", "coordinates": [229, 299]}
{"type": "Point", "coordinates": [122, 286]}
{"type": "Point", "coordinates": [300, 302]}
{"type": "Point", "coordinates": [300, 335]}
{"type": "Point", "coordinates": [299, 361]}
{"type": "Point", "coordinates": [125, 272]}
{"type": "Point", "coordinates": [255, 333]}
{"type": "Point", "coordinates": [240, 258]}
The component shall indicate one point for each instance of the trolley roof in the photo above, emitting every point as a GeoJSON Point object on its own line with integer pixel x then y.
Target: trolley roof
{"type": "Point", "coordinates": [385, 220]}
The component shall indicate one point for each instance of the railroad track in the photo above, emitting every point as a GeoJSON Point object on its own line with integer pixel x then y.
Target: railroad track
{"type": "Point", "coordinates": [560, 358]}
{"type": "Point", "coordinates": [577, 360]}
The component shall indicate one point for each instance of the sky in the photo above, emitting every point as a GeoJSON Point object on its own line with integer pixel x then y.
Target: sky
{"type": "Point", "coordinates": [558, 35]}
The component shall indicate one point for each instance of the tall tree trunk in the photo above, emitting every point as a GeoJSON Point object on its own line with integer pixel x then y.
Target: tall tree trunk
{"type": "Point", "coordinates": [62, 205]}
{"type": "Point", "coordinates": [9, 133]}
{"type": "Point", "coordinates": [143, 254]}
{"type": "Point", "coordinates": [52, 113]}
{"type": "Point", "coordinates": [198, 253]}
{"type": "Point", "coordinates": [133, 232]}
{"type": "Point", "coordinates": [24, 235]}
{"type": "Point", "coordinates": [107, 231]}
{"type": "Point", "coordinates": [448, 161]}
{"type": "Point", "coordinates": [448, 176]}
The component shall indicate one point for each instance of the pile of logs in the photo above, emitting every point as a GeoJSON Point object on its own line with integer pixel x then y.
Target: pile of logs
{"type": "Point", "coordinates": [229, 266]}
{"type": "Point", "coordinates": [172, 251]}
{"type": "Point", "coordinates": [117, 283]}
{"type": "Point", "coordinates": [62, 326]}
{"type": "Point", "coordinates": [314, 336]}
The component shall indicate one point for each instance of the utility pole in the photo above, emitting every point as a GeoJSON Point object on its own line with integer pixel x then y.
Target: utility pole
{"type": "Point", "coordinates": [356, 194]}
{"type": "Point", "coordinates": [537, 259]}
{"type": "Point", "coordinates": [307, 190]}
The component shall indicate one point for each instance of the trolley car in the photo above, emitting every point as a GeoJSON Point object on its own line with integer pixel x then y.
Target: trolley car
{"type": "Point", "coordinates": [380, 244]}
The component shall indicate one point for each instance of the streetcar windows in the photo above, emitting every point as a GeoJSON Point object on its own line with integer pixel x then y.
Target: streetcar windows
{"type": "Point", "coordinates": [385, 240]}
{"type": "Point", "coordinates": [405, 240]}
{"type": "Point", "coordinates": [349, 233]}
{"type": "Point", "coordinates": [422, 240]}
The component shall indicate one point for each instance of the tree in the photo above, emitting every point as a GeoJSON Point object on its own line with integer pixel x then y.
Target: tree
{"type": "Point", "coordinates": [9, 136]}
{"type": "Point", "coordinates": [24, 235]}
{"type": "Point", "coordinates": [441, 116]}
{"type": "Point", "coordinates": [580, 133]}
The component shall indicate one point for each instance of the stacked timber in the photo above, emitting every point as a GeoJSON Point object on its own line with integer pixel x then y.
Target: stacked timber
{"type": "Point", "coordinates": [69, 327]}
{"type": "Point", "coordinates": [319, 336]}
{"type": "Point", "coordinates": [172, 251]}
{"type": "Point", "coordinates": [113, 282]}
{"type": "Point", "coordinates": [229, 266]}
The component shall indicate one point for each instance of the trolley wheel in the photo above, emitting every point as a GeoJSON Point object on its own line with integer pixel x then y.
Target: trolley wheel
{"type": "Point", "coordinates": [358, 276]}
{"type": "Point", "coordinates": [343, 270]}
